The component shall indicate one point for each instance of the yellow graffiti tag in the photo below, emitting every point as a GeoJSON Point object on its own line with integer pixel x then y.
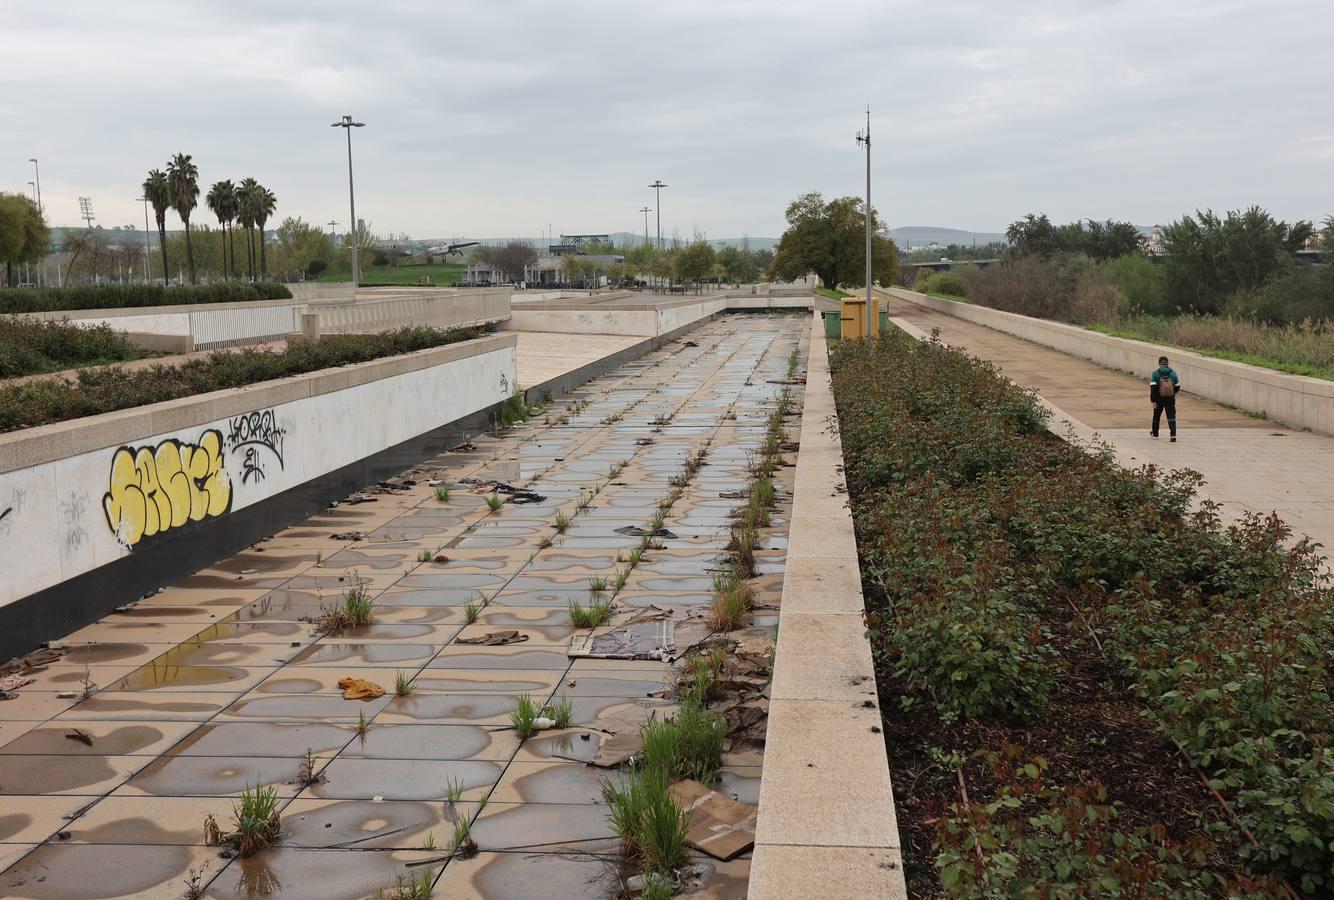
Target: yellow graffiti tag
{"type": "Point", "coordinates": [153, 489]}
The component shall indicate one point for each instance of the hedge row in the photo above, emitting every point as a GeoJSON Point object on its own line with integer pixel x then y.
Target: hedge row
{"type": "Point", "coordinates": [978, 530]}
{"type": "Point", "coordinates": [117, 296]}
{"type": "Point", "coordinates": [114, 387]}
{"type": "Point", "coordinates": [28, 347]}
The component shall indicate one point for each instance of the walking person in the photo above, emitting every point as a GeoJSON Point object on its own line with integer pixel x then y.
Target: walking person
{"type": "Point", "coordinates": [1164, 385]}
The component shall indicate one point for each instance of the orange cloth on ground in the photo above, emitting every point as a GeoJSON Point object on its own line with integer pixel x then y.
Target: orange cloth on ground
{"type": "Point", "coordinates": [360, 689]}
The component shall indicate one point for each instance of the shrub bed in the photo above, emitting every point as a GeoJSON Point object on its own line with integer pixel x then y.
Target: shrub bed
{"type": "Point", "coordinates": [28, 347]}
{"type": "Point", "coordinates": [1093, 687]}
{"type": "Point", "coordinates": [117, 296]}
{"type": "Point", "coordinates": [113, 387]}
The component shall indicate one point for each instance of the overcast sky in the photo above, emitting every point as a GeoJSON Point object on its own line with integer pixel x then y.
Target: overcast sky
{"type": "Point", "coordinates": [492, 118]}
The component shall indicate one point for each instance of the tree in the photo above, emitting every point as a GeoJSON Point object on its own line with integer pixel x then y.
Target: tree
{"type": "Point", "coordinates": [513, 258]}
{"type": "Point", "coordinates": [300, 249]}
{"type": "Point", "coordinates": [183, 177]}
{"type": "Point", "coordinates": [694, 262]}
{"type": "Point", "coordinates": [249, 202]}
{"type": "Point", "coordinates": [829, 239]}
{"type": "Point", "coordinates": [1099, 240]}
{"type": "Point", "coordinates": [158, 191]}
{"type": "Point", "coordinates": [1208, 258]}
{"type": "Point", "coordinates": [265, 205]}
{"type": "Point", "coordinates": [17, 239]}
{"type": "Point", "coordinates": [223, 203]}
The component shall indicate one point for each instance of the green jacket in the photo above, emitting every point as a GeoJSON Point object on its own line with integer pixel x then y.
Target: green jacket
{"type": "Point", "coordinates": [1158, 375]}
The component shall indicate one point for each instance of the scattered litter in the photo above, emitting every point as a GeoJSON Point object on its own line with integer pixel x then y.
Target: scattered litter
{"type": "Point", "coordinates": [542, 723]}
{"type": "Point", "coordinates": [81, 736]}
{"type": "Point", "coordinates": [491, 486]}
{"type": "Point", "coordinates": [735, 495]}
{"type": "Point", "coordinates": [66, 695]}
{"type": "Point", "coordinates": [8, 695]}
{"type": "Point", "coordinates": [465, 447]}
{"type": "Point", "coordinates": [494, 638]}
{"type": "Point", "coordinates": [359, 689]}
{"type": "Point", "coordinates": [636, 531]}
{"type": "Point", "coordinates": [354, 499]}
{"type": "Point", "coordinates": [13, 682]}
{"type": "Point", "coordinates": [63, 835]}
{"type": "Point", "coordinates": [719, 826]}
{"type": "Point", "coordinates": [686, 344]}
{"type": "Point", "coordinates": [249, 571]}
{"type": "Point", "coordinates": [432, 482]}
{"type": "Point", "coordinates": [654, 639]}
{"type": "Point", "coordinates": [440, 558]}
{"type": "Point", "coordinates": [348, 536]}
{"type": "Point", "coordinates": [624, 737]}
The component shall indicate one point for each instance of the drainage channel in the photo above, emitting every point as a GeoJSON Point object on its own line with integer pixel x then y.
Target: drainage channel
{"type": "Point", "coordinates": [238, 703]}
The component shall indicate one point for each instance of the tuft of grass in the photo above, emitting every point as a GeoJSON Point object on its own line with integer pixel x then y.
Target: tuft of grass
{"type": "Point", "coordinates": [688, 745]}
{"type": "Point", "coordinates": [524, 714]}
{"type": "Point", "coordinates": [423, 556]}
{"type": "Point", "coordinates": [590, 616]}
{"type": "Point", "coordinates": [597, 585]}
{"type": "Point", "coordinates": [354, 612]}
{"type": "Point", "coordinates": [642, 813]}
{"type": "Point", "coordinates": [442, 492]}
{"type": "Point", "coordinates": [732, 600]}
{"type": "Point", "coordinates": [402, 683]}
{"type": "Point", "coordinates": [416, 886]}
{"type": "Point", "coordinates": [622, 576]}
{"type": "Point", "coordinates": [562, 711]}
{"type": "Point", "coordinates": [494, 502]}
{"type": "Point", "coordinates": [454, 790]}
{"type": "Point", "coordinates": [308, 771]}
{"type": "Point", "coordinates": [657, 886]}
{"type": "Point", "coordinates": [255, 822]}
{"type": "Point", "coordinates": [470, 611]}
{"type": "Point", "coordinates": [562, 521]}
{"type": "Point", "coordinates": [363, 724]}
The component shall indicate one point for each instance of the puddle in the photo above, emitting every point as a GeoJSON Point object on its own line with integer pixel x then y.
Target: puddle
{"type": "Point", "coordinates": [263, 739]}
{"type": "Point", "coordinates": [86, 871]}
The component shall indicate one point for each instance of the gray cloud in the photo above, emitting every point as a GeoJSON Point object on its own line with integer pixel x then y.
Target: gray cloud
{"type": "Point", "coordinates": [496, 118]}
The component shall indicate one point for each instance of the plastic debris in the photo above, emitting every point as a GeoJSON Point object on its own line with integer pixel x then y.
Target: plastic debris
{"type": "Point", "coordinates": [636, 531]}
{"type": "Point", "coordinates": [542, 723]}
{"type": "Point", "coordinates": [359, 689]}
{"type": "Point", "coordinates": [494, 638]}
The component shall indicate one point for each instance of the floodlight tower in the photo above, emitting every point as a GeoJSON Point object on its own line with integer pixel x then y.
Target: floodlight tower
{"type": "Point", "coordinates": [865, 139]}
{"type": "Point", "coordinates": [646, 211]}
{"type": "Point", "coordinates": [347, 124]}
{"type": "Point", "coordinates": [86, 210]}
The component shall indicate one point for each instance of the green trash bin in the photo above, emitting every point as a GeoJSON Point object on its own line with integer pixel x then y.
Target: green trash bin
{"type": "Point", "coordinates": [833, 326]}
{"type": "Point", "coordinates": [884, 321]}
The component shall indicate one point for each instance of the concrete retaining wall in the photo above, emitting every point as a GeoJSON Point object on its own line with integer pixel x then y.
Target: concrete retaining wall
{"type": "Point", "coordinates": [649, 319]}
{"type": "Point", "coordinates": [206, 325]}
{"type": "Point", "coordinates": [79, 495]}
{"type": "Point", "coordinates": [1293, 400]}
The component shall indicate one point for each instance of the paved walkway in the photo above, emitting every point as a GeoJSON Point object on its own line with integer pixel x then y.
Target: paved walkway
{"type": "Point", "coordinates": [221, 682]}
{"type": "Point", "coordinates": [1249, 465]}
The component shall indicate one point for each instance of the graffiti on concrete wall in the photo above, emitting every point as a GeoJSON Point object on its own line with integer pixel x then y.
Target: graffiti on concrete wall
{"type": "Point", "coordinates": [151, 490]}
{"type": "Point", "coordinates": [255, 437]}
{"type": "Point", "coordinates": [71, 514]}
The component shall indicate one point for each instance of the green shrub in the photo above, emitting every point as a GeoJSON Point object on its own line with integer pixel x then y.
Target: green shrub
{"type": "Point", "coordinates": [951, 284]}
{"type": "Point", "coordinates": [1139, 280]}
{"type": "Point", "coordinates": [974, 526]}
{"type": "Point", "coordinates": [28, 346]}
{"type": "Point", "coordinates": [117, 296]}
{"type": "Point", "coordinates": [112, 387]}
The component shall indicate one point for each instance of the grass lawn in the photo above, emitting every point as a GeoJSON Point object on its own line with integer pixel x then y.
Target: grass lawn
{"type": "Point", "coordinates": [832, 293]}
{"type": "Point", "coordinates": [441, 274]}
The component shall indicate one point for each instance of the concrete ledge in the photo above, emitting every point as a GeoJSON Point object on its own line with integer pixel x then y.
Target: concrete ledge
{"type": "Point", "coordinates": [1294, 400]}
{"type": "Point", "coordinates": [46, 443]}
{"type": "Point", "coordinates": [826, 824]}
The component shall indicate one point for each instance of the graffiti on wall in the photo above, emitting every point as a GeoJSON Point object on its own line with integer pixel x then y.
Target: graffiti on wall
{"type": "Point", "coordinates": [256, 436]}
{"type": "Point", "coordinates": [151, 490]}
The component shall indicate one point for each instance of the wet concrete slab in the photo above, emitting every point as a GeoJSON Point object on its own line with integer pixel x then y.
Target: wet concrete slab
{"type": "Point", "coordinates": [223, 682]}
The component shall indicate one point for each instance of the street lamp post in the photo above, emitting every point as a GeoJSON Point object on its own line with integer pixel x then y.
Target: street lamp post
{"type": "Point", "coordinates": [646, 211]}
{"type": "Point", "coordinates": [865, 139]}
{"type": "Point", "coordinates": [348, 125]}
{"type": "Point", "coordinates": [37, 176]}
{"type": "Point", "coordinates": [657, 185]}
{"type": "Point", "coordinates": [148, 248]}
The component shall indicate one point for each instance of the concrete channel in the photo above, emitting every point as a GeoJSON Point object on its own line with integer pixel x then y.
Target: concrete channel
{"type": "Point", "coordinates": [161, 715]}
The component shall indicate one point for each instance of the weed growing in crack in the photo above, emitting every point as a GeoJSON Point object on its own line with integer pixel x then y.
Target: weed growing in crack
{"type": "Point", "coordinates": [255, 822]}
{"type": "Point", "coordinates": [308, 771]}
{"type": "Point", "coordinates": [454, 791]}
{"type": "Point", "coordinates": [416, 886]}
{"type": "Point", "coordinates": [597, 585]}
{"type": "Point", "coordinates": [461, 843]}
{"type": "Point", "coordinates": [194, 882]}
{"type": "Point", "coordinates": [471, 611]}
{"type": "Point", "coordinates": [402, 684]}
{"type": "Point", "coordinates": [622, 576]}
{"type": "Point", "coordinates": [562, 523]}
{"type": "Point", "coordinates": [363, 724]}
{"type": "Point", "coordinates": [423, 556]}
{"type": "Point", "coordinates": [562, 711]}
{"type": "Point", "coordinates": [494, 502]}
{"type": "Point", "coordinates": [442, 493]}
{"type": "Point", "coordinates": [590, 616]}
{"type": "Point", "coordinates": [642, 813]}
{"type": "Point", "coordinates": [732, 600]}
{"type": "Point", "coordinates": [523, 716]}
{"type": "Point", "coordinates": [657, 886]}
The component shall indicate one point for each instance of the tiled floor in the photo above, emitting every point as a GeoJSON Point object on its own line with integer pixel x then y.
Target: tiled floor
{"type": "Point", "coordinates": [220, 683]}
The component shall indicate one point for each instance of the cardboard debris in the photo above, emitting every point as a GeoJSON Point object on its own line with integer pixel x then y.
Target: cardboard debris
{"type": "Point", "coordinates": [719, 826]}
{"type": "Point", "coordinates": [80, 735]}
{"type": "Point", "coordinates": [348, 535]}
{"type": "Point", "coordinates": [636, 531]}
{"type": "Point", "coordinates": [623, 734]}
{"type": "Point", "coordinates": [652, 639]}
{"type": "Point", "coordinates": [494, 638]}
{"type": "Point", "coordinates": [14, 682]}
{"type": "Point", "coordinates": [37, 659]}
{"type": "Point", "coordinates": [360, 689]}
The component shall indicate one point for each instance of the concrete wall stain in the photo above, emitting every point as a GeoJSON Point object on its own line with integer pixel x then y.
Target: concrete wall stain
{"type": "Point", "coordinates": [154, 489]}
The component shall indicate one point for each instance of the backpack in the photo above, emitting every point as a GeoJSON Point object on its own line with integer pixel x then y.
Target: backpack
{"type": "Point", "coordinates": [1165, 386]}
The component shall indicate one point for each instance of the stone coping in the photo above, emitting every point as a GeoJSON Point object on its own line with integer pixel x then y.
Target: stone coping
{"type": "Point", "coordinates": [58, 440]}
{"type": "Point", "coordinates": [826, 823]}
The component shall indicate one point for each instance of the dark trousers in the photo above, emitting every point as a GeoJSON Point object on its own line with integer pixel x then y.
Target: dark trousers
{"type": "Point", "coordinates": [1169, 404]}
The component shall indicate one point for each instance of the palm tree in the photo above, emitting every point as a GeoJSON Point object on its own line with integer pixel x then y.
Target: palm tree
{"type": "Point", "coordinates": [265, 205]}
{"type": "Point", "coordinates": [183, 176]}
{"type": "Point", "coordinates": [249, 205]}
{"type": "Point", "coordinates": [158, 192]}
{"type": "Point", "coordinates": [221, 200]}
